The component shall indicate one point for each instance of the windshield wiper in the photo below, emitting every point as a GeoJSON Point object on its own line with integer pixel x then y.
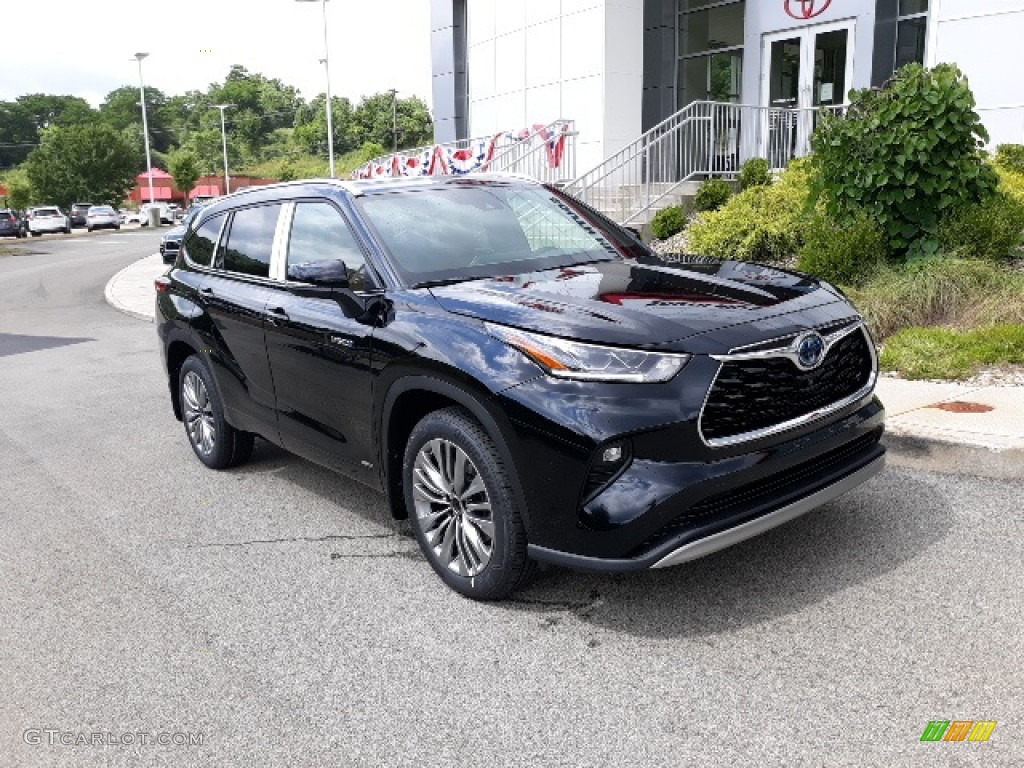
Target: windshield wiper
{"type": "Point", "coordinates": [446, 281]}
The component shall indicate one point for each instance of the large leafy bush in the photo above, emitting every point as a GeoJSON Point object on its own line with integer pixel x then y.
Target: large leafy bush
{"type": "Point", "coordinates": [1010, 157]}
{"type": "Point", "coordinates": [759, 224]}
{"type": "Point", "coordinates": [906, 155]}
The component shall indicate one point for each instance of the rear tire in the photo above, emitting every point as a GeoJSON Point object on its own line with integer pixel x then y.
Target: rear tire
{"type": "Point", "coordinates": [215, 442]}
{"type": "Point", "coordinates": [463, 506]}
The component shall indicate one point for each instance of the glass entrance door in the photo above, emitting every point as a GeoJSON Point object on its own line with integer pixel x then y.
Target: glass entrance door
{"type": "Point", "coordinates": [803, 70]}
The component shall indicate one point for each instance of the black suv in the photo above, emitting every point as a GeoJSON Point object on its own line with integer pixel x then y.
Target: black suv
{"type": "Point", "coordinates": [78, 213]}
{"type": "Point", "coordinates": [520, 376]}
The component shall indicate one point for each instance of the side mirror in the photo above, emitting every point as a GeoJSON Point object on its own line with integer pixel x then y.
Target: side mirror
{"type": "Point", "coordinates": [323, 278]}
{"type": "Point", "coordinates": [323, 274]}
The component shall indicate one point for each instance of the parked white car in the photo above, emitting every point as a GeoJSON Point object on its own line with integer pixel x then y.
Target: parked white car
{"type": "Point", "coordinates": [48, 218]}
{"type": "Point", "coordinates": [102, 217]}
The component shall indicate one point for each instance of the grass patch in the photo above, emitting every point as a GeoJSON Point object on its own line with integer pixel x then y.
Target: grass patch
{"type": "Point", "coordinates": [947, 353]}
{"type": "Point", "coordinates": [956, 293]}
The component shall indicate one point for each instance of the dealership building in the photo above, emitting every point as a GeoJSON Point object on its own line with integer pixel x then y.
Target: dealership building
{"type": "Point", "coordinates": [618, 68]}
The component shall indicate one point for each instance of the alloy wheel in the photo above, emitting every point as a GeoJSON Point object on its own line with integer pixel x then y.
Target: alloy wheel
{"type": "Point", "coordinates": [453, 507]}
{"type": "Point", "coordinates": [198, 413]}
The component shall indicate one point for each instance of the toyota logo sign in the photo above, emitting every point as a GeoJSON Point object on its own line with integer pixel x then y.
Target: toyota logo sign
{"type": "Point", "coordinates": [806, 9]}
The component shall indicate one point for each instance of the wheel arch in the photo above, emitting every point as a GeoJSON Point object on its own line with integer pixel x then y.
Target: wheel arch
{"type": "Point", "coordinates": [411, 398]}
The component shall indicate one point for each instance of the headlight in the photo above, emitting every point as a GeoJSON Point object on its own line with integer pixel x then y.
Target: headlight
{"type": "Point", "coordinates": [589, 362]}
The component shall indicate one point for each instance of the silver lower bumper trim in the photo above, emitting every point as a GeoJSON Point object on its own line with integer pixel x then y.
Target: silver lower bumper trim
{"type": "Point", "coordinates": [727, 538]}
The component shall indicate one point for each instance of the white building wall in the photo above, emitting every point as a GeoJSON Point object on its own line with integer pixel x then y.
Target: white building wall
{"type": "Point", "coordinates": [983, 37]}
{"type": "Point", "coordinates": [536, 61]}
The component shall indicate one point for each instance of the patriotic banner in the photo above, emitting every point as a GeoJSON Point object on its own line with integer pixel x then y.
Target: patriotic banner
{"type": "Point", "coordinates": [441, 160]}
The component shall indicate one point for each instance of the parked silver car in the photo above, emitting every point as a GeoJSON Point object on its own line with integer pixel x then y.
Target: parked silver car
{"type": "Point", "coordinates": [102, 217]}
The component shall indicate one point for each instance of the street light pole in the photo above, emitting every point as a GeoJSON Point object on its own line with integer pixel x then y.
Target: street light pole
{"type": "Point", "coordinates": [394, 120]}
{"type": "Point", "coordinates": [327, 70]}
{"type": "Point", "coordinates": [224, 142]}
{"type": "Point", "coordinates": [145, 127]}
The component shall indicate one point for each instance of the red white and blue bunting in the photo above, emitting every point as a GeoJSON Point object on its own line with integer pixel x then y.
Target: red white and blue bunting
{"type": "Point", "coordinates": [443, 160]}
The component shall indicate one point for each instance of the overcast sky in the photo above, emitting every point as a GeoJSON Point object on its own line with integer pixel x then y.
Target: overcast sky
{"type": "Point", "coordinates": [86, 48]}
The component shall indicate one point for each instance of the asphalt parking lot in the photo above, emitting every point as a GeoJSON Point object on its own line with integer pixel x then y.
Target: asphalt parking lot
{"type": "Point", "coordinates": [278, 613]}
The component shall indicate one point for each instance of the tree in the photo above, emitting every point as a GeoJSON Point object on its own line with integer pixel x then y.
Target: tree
{"type": "Point", "coordinates": [18, 134]}
{"type": "Point", "coordinates": [183, 165]}
{"type": "Point", "coordinates": [19, 195]}
{"type": "Point", "coordinates": [47, 109]}
{"type": "Point", "coordinates": [82, 162]}
{"type": "Point", "coordinates": [374, 121]}
{"type": "Point", "coordinates": [121, 110]}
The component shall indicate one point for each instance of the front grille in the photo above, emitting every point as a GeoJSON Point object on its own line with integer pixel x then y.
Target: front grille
{"type": "Point", "coordinates": [778, 487]}
{"type": "Point", "coordinates": [750, 395]}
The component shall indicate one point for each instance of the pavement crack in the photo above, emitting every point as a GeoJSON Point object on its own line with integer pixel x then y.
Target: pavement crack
{"type": "Point", "coordinates": [294, 539]}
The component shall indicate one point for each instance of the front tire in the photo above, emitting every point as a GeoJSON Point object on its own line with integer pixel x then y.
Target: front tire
{"type": "Point", "coordinates": [215, 442]}
{"type": "Point", "coordinates": [463, 507]}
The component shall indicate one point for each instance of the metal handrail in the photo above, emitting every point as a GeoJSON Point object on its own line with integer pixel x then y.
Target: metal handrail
{"type": "Point", "coordinates": [702, 140]}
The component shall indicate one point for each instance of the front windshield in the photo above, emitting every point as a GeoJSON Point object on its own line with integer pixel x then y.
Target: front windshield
{"type": "Point", "coordinates": [467, 231]}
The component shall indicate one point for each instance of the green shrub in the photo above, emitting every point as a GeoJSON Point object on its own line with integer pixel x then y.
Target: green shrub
{"type": "Point", "coordinates": [991, 229]}
{"type": "Point", "coordinates": [759, 224]}
{"type": "Point", "coordinates": [755, 173]}
{"type": "Point", "coordinates": [963, 293]}
{"type": "Point", "coordinates": [841, 252]}
{"type": "Point", "coordinates": [712, 195]}
{"type": "Point", "coordinates": [945, 353]}
{"type": "Point", "coordinates": [906, 155]}
{"type": "Point", "coordinates": [1010, 157]}
{"type": "Point", "coordinates": [668, 221]}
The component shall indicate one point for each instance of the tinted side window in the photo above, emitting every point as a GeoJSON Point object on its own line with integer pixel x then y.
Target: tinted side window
{"type": "Point", "coordinates": [319, 233]}
{"type": "Point", "coordinates": [251, 240]}
{"type": "Point", "coordinates": [199, 247]}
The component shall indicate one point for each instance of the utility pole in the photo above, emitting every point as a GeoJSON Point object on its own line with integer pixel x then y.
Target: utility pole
{"type": "Point", "coordinates": [145, 126]}
{"type": "Point", "coordinates": [224, 142]}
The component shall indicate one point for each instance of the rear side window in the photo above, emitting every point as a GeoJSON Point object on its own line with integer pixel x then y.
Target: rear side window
{"type": "Point", "coordinates": [251, 240]}
{"type": "Point", "coordinates": [319, 233]}
{"type": "Point", "coordinates": [200, 245]}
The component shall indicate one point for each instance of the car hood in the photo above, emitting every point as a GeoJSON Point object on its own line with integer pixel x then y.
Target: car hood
{"type": "Point", "coordinates": [689, 307]}
{"type": "Point", "coordinates": [175, 233]}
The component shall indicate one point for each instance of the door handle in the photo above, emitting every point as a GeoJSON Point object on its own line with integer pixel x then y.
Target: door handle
{"type": "Point", "coordinates": [205, 291]}
{"type": "Point", "coordinates": [277, 315]}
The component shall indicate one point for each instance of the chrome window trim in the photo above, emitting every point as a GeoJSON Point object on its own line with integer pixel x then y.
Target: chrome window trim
{"type": "Point", "coordinates": [279, 251]}
{"type": "Point", "coordinates": [799, 421]}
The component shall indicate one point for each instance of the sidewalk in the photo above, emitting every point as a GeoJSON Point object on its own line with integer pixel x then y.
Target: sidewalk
{"type": "Point", "coordinates": [939, 427]}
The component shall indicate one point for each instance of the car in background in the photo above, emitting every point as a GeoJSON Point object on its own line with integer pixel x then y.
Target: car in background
{"type": "Point", "coordinates": [170, 243]}
{"type": "Point", "coordinates": [11, 224]}
{"type": "Point", "coordinates": [102, 217]}
{"type": "Point", "coordinates": [78, 214]}
{"type": "Point", "coordinates": [48, 219]}
{"type": "Point", "coordinates": [166, 214]}
{"type": "Point", "coordinates": [131, 217]}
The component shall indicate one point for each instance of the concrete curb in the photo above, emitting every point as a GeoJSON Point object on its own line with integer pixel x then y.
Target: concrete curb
{"type": "Point", "coordinates": [933, 454]}
{"type": "Point", "coordinates": [123, 290]}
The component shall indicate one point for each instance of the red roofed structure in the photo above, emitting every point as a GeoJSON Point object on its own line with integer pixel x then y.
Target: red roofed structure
{"type": "Point", "coordinates": [164, 189]}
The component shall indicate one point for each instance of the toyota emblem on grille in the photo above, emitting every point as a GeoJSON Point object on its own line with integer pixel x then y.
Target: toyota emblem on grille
{"type": "Point", "coordinates": [806, 9]}
{"type": "Point", "coordinates": [810, 351]}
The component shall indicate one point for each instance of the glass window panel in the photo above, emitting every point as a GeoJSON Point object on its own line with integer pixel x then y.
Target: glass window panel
{"type": "Point", "coordinates": [910, 40]}
{"type": "Point", "coordinates": [251, 240]}
{"type": "Point", "coordinates": [716, 77]}
{"type": "Point", "coordinates": [319, 233]}
{"type": "Point", "coordinates": [719, 27]}
{"type": "Point", "coordinates": [200, 245]}
{"type": "Point", "coordinates": [692, 5]}
{"type": "Point", "coordinates": [910, 7]}
{"type": "Point", "coordinates": [784, 85]}
{"type": "Point", "coordinates": [830, 67]}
